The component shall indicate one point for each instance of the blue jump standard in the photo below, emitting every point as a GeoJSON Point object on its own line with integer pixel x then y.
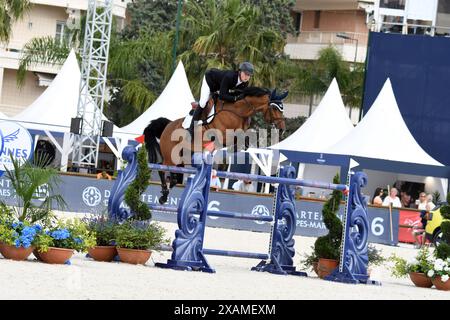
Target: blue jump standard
{"type": "Point", "coordinates": [187, 247]}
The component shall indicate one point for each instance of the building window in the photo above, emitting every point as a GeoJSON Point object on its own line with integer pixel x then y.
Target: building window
{"type": "Point", "coordinates": [297, 21]}
{"type": "Point", "coordinates": [316, 19]}
{"type": "Point", "coordinates": [393, 4]}
{"type": "Point", "coordinates": [60, 31]}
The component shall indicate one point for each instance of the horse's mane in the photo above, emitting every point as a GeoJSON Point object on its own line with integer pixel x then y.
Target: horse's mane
{"type": "Point", "coordinates": [255, 91]}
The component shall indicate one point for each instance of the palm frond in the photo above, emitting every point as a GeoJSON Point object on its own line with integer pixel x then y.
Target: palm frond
{"type": "Point", "coordinates": [44, 50]}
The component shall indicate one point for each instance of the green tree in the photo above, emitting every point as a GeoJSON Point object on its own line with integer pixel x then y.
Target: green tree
{"type": "Point", "coordinates": [315, 77]}
{"type": "Point", "coordinates": [10, 12]}
{"type": "Point", "coordinates": [222, 34]}
{"type": "Point", "coordinates": [149, 17]}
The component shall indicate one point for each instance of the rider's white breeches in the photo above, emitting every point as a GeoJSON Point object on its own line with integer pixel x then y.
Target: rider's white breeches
{"type": "Point", "coordinates": [205, 92]}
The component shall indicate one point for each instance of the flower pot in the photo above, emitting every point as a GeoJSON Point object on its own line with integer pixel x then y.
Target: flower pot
{"type": "Point", "coordinates": [56, 255]}
{"type": "Point", "coordinates": [103, 253]}
{"type": "Point", "coordinates": [315, 267]}
{"type": "Point", "coordinates": [326, 267]}
{"type": "Point", "coordinates": [14, 253]}
{"type": "Point", "coordinates": [134, 256]}
{"type": "Point", "coordinates": [441, 285]}
{"type": "Point", "coordinates": [420, 280]}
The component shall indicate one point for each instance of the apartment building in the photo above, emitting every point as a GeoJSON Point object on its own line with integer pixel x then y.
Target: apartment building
{"type": "Point", "coordinates": [345, 24]}
{"type": "Point", "coordinates": [46, 18]}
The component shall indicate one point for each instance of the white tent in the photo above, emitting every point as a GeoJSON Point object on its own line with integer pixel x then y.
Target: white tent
{"type": "Point", "coordinates": [3, 116]}
{"type": "Point", "coordinates": [173, 103]}
{"type": "Point", "coordinates": [328, 124]}
{"type": "Point", "coordinates": [53, 109]}
{"type": "Point", "coordinates": [383, 134]}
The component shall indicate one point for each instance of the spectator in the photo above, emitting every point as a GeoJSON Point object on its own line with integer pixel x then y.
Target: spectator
{"type": "Point", "coordinates": [420, 230]}
{"type": "Point", "coordinates": [430, 205]}
{"type": "Point", "coordinates": [377, 197]}
{"type": "Point", "coordinates": [215, 181]}
{"type": "Point", "coordinates": [243, 185]}
{"type": "Point", "coordinates": [392, 199]}
{"type": "Point", "coordinates": [405, 199]}
{"type": "Point", "coordinates": [422, 202]}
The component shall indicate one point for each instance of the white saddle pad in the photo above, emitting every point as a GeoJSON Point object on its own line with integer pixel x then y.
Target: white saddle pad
{"type": "Point", "coordinates": [187, 120]}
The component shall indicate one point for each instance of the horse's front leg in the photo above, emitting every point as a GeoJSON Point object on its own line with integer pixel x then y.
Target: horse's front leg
{"type": "Point", "coordinates": [164, 188]}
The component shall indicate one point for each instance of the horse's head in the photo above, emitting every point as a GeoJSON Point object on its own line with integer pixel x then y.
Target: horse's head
{"type": "Point", "coordinates": [274, 112]}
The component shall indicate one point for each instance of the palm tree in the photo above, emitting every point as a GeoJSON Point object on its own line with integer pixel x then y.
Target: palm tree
{"type": "Point", "coordinates": [315, 77]}
{"type": "Point", "coordinates": [26, 180]}
{"type": "Point", "coordinates": [223, 33]}
{"type": "Point", "coordinates": [11, 11]}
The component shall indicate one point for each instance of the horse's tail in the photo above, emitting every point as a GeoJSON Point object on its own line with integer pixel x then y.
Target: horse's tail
{"type": "Point", "coordinates": [153, 132]}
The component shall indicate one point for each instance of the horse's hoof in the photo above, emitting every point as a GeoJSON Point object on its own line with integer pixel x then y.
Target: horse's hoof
{"type": "Point", "coordinates": [162, 199]}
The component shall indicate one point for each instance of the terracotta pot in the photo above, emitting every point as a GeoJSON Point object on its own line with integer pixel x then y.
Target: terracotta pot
{"type": "Point", "coordinates": [56, 255]}
{"type": "Point", "coordinates": [315, 267]}
{"type": "Point", "coordinates": [134, 256]}
{"type": "Point", "coordinates": [420, 280]}
{"type": "Point", "coordinates": [326, 266]}
{"type": "Point", "coordinates": [14, 253]}
{"type": "Point", "coordinates": [103, 253]}
{"type": "Point", "coordinates": [441, 285]}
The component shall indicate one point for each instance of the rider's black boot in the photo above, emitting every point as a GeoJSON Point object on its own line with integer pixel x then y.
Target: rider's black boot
{"type": "Point", "coordinates": [195, 117]}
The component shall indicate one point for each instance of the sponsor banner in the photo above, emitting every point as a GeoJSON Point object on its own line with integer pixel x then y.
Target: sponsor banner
{"type": "Point", "coordinates": [15, 141]}
{"type": "Point", "coordinates": [86, 195]}
{"type": "Point", "coordinates": [410, 218]}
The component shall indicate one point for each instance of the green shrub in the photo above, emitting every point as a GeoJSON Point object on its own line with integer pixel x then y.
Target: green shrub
{"type": "Point", "coordinates": [142, 235]}
{"type": "Point", "coordinates": [328, 246]}
{"type": "Point", "coordinates": [133, 193]}
{"type": "Point", "coordinates": [103, 229]}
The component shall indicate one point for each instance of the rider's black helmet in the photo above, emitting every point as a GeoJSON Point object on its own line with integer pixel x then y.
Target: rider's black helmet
{"type": "Point", "coordinates": [246, 67]}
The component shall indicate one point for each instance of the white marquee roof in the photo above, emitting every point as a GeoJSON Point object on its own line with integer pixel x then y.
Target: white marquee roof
{"type": "Point", "coordinates": [55, 107]}
{"type": "Point", "coordinates": [173, 103]}
{"type": "Point", "coordinates": [383, 134]}
{"type": "Point", "coordinates": [327, 125]}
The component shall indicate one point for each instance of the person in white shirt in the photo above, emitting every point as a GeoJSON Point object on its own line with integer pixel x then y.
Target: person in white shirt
{"type": "Point", "coordinates": [243, 185]}
{"type": "Point", "coordinates": [215, 181]}
{"type": "Point", "coordinates": [423, 201]}
{"type": "Point", "coordinates": [430, 205]}
{"type": "Point", "coordinates": [392, 199]}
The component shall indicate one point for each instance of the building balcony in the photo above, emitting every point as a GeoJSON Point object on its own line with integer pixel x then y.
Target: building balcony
{"type": "Point", "coordinates": [119, 6]}
{"type": "Point", "coordinates": [11, 59]}
{"type": "Point", "coordinates": [308, 44]}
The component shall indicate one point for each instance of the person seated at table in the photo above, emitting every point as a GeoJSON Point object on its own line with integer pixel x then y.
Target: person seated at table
{"type": "Point", "coordinates": [392, 199]}
{"type": "Point", "coordinates": [244, 185]}
{"type": "Point", "coordinates": [377, 197]}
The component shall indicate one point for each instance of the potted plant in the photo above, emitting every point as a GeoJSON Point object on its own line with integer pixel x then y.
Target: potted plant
{"type": "Point", "coordinates": [34, 185]}
{"type": "Point", "coordinates": [310, 261]}
{"type": "Point", "coordinates": [440, 274]}
{"type": "Point", "coordinates": [135, 238]}
{"type": "Point", "coordinates": [16, 237]}
{"type": "Point", "coordinates": [417, 269]}
{"type": "Point", "coordinates": [57, 244]}
{"type": "Point", "coordinates": [104, 233]}
{"type": "Point", "coordinates": [327, 248]}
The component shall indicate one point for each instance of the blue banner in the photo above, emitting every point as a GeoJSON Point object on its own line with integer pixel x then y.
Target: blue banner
{"type": "Point", "coordinates": [87, 195]}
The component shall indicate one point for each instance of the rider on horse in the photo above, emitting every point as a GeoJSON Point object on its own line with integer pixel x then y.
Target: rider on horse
{"type": "Point", "coordinates": [224, 82]}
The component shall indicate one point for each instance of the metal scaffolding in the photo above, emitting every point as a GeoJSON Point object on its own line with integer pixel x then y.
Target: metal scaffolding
{"type": "Point", "coordinates": [93, 82]}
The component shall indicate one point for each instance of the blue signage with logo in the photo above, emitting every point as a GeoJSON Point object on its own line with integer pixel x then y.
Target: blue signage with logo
{"type": "Point", "coordinates": [15, 141]}
{"type": "Point", "coordinates": [87, 195]}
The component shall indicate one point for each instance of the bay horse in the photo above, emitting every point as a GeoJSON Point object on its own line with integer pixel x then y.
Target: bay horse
{"type": "Point", "coordinates": [227, 116]}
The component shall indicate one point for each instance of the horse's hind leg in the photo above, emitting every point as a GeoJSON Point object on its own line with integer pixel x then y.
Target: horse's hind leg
{"type": "Point", "coordinates": [164, 189]}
